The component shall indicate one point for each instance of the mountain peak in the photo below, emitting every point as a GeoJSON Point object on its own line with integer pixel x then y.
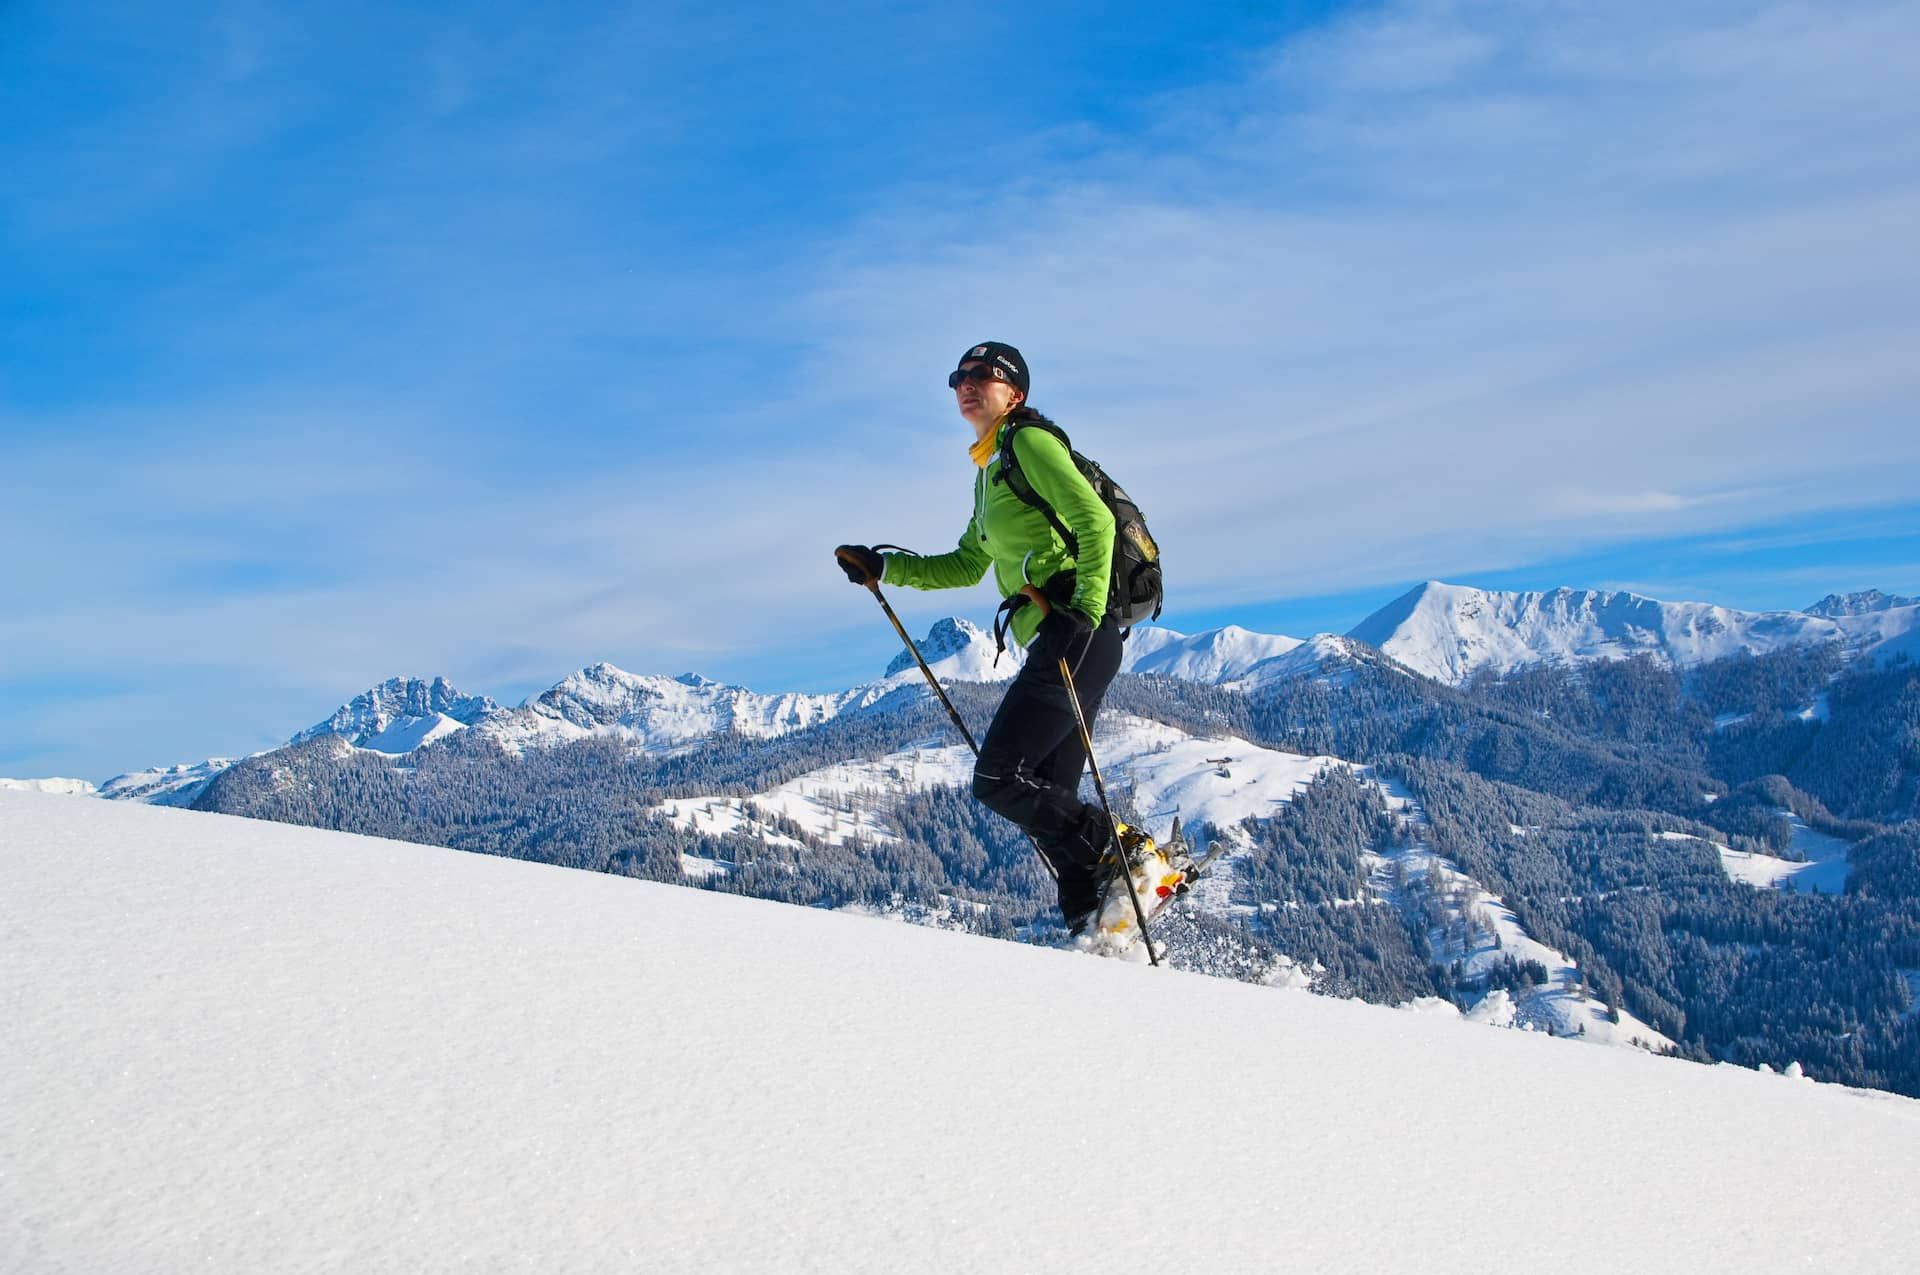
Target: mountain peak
{"type": "Point", "coordinates": [1324, 655]}
{"type": "Point", "coordinates": [400, 714]}
{"type": "Point", "coordinates": [967, 647]}
{"type": "Point", "coordinates": [1451, 632]}
{"type": "Point", "coordinates": [1217, 655]}
{"type": "Point", "coordinates": [1836, 605]}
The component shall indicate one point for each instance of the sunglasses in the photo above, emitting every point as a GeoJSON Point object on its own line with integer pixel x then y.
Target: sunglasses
{"type": "Point", "coordinates": [978, 372]}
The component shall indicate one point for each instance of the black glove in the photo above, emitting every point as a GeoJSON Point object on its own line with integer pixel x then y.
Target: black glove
{"type": "Point", "coordinates": [1063, 626]}
{"type": "Point", "coordinates": [862, 565]}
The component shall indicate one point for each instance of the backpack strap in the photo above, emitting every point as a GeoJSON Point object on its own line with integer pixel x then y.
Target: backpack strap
{"type": "Point", "coordinates": [1017, 482]}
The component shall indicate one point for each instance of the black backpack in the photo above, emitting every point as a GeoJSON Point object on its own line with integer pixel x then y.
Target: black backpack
{"type": "Point", "coordinates": [1135, 594]}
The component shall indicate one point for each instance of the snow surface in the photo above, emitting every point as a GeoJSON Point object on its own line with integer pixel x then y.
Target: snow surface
{"type": "Point", "coordinates": [1164, 772]}
{"type": "Point", "coordinates": [836, 803]}
{"type": "Point", "coordinates": [1904, 646]}
{"type": "Point", "coordinates": [1327, 656]}
{"type": "Point", "coordinates": [260, 1047]}
{"type": "Point", "coordinates": [1162, 768]}
{"type": "Point", "coordinates": [403, 736]}
{"type": "Point", "coordinates": [1220, 781]}
{"type": "Point", "coordinates": [1822, 866]}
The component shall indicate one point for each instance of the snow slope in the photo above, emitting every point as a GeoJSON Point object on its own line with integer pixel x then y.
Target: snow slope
{"type": "Point", "coordinates": [1450, 632]}
{"type": "Point", "coordinates": [1479, 931]}
{"type": "Point", "coordinates": [1821, 868]}
{"type": "Point", "coordinates": [1162, 769]}
{"type": "Point", "coordinates": [831, 803]}
{"type": "Point", "coordinates": [261, 1047]}
{"type": "Point", "coordinates": [1217, 655]}
{"type": "Point", "coordinates": [1324, 655]}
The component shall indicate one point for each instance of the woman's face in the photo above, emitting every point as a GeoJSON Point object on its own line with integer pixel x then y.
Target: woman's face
{"type": "Point", "coordinates": [982, 397]}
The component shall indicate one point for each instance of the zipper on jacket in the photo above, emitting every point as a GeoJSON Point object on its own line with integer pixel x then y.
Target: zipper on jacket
{"type": "Point", "coordinates": [980, 503]}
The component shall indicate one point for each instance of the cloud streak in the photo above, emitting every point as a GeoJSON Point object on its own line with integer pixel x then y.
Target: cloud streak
{"type": "Point", "coordinates": [1375, 310]}
{"type": "Point", "coordinates": [1430, 289]}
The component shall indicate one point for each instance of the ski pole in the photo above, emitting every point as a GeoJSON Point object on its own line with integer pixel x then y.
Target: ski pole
{"type": "Point", "coordinates": [952, 712]}
{"type": "Point", "coordinates": [1100, 786]}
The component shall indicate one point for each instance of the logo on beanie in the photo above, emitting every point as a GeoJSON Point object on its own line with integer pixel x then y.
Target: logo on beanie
{"type": "Point", "coordinates": [979, 352]}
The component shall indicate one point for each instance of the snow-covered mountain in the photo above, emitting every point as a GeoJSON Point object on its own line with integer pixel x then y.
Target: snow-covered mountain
{"type": "Point", "coordinates": [656, 713]}
{"type": "Point", "coordinates": [958, 650]}
{"type": "Point", "coordinates": [1444, 631]}
{"type": "Point", "coordinates": [1840, 605]}
{"type": "Point", "coordinates": [58, 787]}
{"type": "Point", "coordinates": [1217, 655]}
{"type": "Point", "coordinates": [401, 714]}
{"type": "Point", "coordinates": [165, 785]}
{"type": "Point", "coordinates": [699, 1082]}
{"type": "Point", "coordinates": [1324, 655]}
{"type": "Point", "coordinates": [1451, 632]}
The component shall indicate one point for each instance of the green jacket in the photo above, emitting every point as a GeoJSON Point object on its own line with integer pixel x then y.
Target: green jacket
{"type": "Point", "coordinates": [1017, 540]}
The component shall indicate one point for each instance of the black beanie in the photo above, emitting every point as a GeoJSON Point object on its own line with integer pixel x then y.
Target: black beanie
{"type": "Point", "coordinates": [1003, 356]}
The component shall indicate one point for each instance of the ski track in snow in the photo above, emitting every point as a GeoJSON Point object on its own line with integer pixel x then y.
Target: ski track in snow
{"type": "Point", "coordinates": [261, 1047]}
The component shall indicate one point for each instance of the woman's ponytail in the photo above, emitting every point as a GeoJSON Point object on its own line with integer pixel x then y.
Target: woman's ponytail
{"type": "Point", "coordinates": [1024, 415]}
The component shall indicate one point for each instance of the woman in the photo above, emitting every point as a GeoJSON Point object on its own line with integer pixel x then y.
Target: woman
{"type": "Point", "coordinates": [1031, 759]}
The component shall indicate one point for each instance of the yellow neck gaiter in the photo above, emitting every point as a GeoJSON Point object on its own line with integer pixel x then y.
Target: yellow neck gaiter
{"type": "Point", "coordinates": [983, 447]}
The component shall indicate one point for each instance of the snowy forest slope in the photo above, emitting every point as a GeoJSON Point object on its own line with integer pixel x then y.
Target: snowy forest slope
{"type": "Point", "coordinates": [260, 1046]}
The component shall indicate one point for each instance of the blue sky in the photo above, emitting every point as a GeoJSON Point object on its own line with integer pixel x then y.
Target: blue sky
{"type": "Point", "coordinates": [490, 341]}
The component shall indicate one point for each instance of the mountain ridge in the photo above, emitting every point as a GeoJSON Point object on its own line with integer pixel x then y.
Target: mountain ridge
{"type": "Point", "coordinates": [1438, 630]}
{"type": "Point", "coordinates": [1454, 632]}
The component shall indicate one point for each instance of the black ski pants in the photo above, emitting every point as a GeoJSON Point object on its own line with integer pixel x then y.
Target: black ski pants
{"type": "Point", "coordinates": [1032, 758]}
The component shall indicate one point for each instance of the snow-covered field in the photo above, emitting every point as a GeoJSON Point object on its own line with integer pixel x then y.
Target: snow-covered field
{"type": "Point", "coordinates": [1821, 869]}
{"type": "Point", "coordinates": [831, 803]}
{"type": "Point", "coordinates": [239, 1046]}
{"type": "Point", "coordinates": [1164, 770]}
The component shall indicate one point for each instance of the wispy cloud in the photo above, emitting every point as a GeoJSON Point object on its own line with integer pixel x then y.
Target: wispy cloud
{"type": "Point", "coordinates": [1388, 301]}
{"type": "Point", "coordinates": [497, 376]}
